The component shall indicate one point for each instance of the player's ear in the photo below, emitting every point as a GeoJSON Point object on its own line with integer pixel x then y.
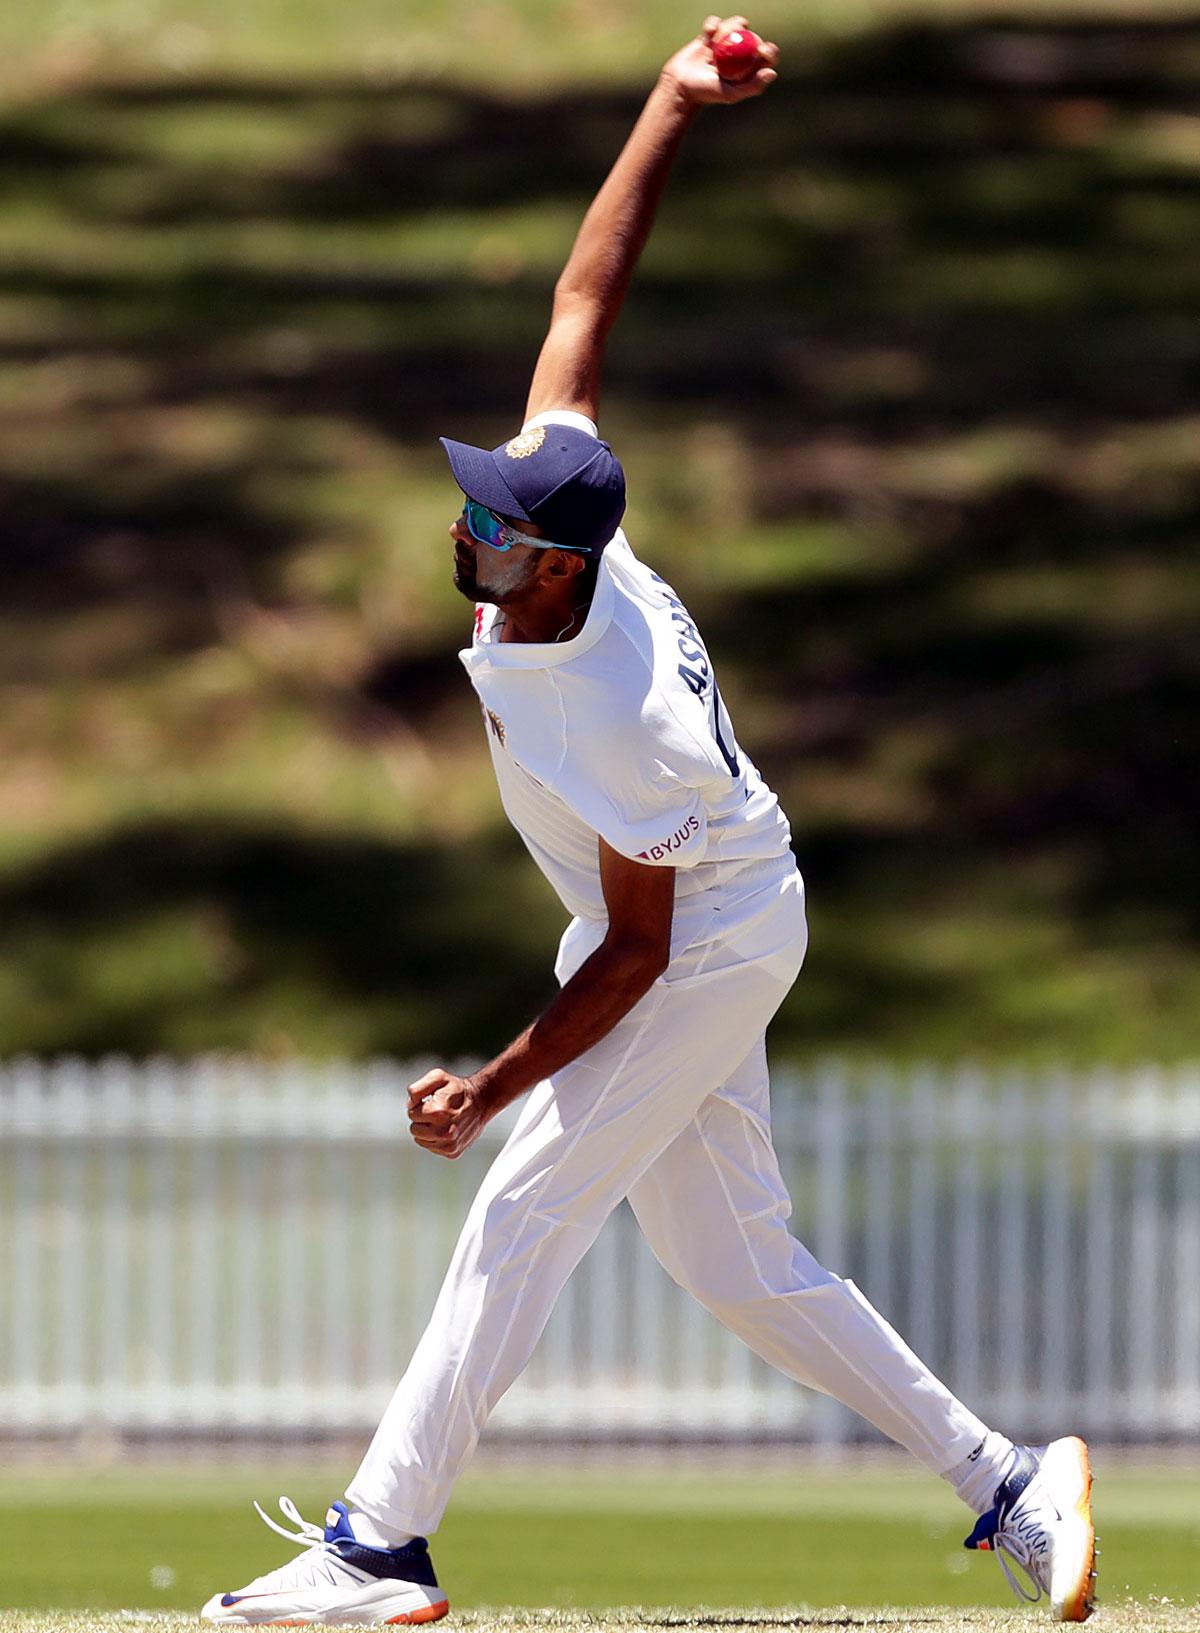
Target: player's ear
{"type": "Point", "coordinates": [564, 564]}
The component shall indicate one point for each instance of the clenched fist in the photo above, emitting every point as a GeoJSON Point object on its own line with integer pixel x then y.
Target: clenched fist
{"type": "Point", "coordinates": [445, 1113]}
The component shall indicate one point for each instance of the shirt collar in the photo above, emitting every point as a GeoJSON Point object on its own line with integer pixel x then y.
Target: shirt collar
{"type": "Point", "coordinates": [548, 654]}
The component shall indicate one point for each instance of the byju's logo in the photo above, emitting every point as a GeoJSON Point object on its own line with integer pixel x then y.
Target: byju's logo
{"type": "Point", "coordinates": [678, 838]}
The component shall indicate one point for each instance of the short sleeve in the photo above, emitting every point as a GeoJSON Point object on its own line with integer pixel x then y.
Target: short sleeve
{"type": "Point", "coordinates": [640, 790]}
{"type": "Point", "coordinates": [674, 835]}
{"type": "Point", "coordinates": [563, 416]}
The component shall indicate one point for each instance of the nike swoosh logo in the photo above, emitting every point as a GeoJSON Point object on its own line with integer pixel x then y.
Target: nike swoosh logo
{"type": "Point", "coordinates": [228, 1599]}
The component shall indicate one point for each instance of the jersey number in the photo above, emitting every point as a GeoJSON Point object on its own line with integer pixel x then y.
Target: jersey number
{"type": "Point", "coordinates": [722, 729]}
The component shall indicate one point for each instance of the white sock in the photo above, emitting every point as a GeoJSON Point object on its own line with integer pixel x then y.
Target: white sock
{"type": "Point", "coordinates": [975, 1479]}
{"type": "Point", "coordinates": [373, 1535]}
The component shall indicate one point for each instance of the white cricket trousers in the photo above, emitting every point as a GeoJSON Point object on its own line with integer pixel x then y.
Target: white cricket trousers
{"type": "Point", "coordinates": [670, 1110]}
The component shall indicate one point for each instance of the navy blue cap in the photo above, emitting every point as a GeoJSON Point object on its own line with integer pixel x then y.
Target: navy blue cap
{"type": "Point", "coordinates": [567, 481]}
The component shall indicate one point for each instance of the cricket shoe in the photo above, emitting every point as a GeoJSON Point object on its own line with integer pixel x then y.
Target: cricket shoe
{"type": "Point", "coordinates": [1042, 1519]}
{"type": "Point", "coordinates": [336, 1582]}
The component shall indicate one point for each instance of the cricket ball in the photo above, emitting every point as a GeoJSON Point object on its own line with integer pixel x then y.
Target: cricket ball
{"type": "Point", "coordinates": [735, 54]}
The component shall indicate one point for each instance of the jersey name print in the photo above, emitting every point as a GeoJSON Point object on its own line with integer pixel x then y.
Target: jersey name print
{"type": "Point", "coordinates": [621, 732]}
{"type": "Point", "coordinates": [696, 673]}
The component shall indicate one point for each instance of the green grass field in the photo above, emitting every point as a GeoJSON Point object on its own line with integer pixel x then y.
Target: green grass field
{"type": "Point", "coordinates": [679, 1542]}
{"type": "Point", "coordinates": [519, 43]}
{"type": "Point", "coordinates": [1133, 1618]}
{"type": "Point", "coordinates": [905, 387]}
{"type": "Point", "coordinates": [929, 386]}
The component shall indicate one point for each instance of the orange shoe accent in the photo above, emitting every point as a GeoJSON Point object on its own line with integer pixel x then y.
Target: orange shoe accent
{"type": "Point", "coordinates": [428, 1613]}
{"type": "Point", "coordinates": [1081, 1605]}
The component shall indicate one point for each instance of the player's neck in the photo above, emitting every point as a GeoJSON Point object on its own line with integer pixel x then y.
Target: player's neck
{"type": "Point", "coordinates": [541, 620]}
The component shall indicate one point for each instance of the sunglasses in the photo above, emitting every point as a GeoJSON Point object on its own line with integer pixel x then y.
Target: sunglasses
{"type": "Point", "coordinates": [485, 527]}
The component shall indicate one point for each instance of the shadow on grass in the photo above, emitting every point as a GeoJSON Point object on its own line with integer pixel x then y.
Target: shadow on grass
{"type": "Point", "coordinates": [950, 226]}
{"type": "Point", "coordinates": [994, 203]}
{"type": "Point", "coordinates": [415, 942]}
{"type": "Point", "coordinates": [938, 289]}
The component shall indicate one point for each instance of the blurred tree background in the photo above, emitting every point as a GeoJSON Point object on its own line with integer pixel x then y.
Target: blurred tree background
{"type": "Point", "coordinates": [906, 391]}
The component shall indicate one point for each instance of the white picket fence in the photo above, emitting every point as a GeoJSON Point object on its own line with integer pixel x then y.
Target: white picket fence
{"type": "Point", "coordinates": [221, 1246]}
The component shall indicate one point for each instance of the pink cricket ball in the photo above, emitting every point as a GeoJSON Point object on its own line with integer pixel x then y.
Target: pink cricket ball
{"type": "Point", "coordinates": [736, 54]}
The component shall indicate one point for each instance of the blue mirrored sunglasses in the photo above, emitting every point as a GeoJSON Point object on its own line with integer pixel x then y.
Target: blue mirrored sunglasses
{"type": "Point", "coordinates": [485, 527]}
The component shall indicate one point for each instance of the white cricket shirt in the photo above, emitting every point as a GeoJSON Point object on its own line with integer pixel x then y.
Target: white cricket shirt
{"type": "Point", "coordinates": [621, 732]}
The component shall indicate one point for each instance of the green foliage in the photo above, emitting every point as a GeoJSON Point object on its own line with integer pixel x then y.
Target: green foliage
{"type": "Point", "coordinates": [904, 392]}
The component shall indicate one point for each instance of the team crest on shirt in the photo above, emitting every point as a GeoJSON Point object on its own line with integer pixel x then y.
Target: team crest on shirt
{"type": "Point", "coordinates": [527, 443]}
{"type": "Point", "coordinates": [497, 725]}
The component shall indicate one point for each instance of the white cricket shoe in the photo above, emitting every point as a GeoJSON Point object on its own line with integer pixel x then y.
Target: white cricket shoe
{"type": "Point", "coordinates": [336, 1582]}
{"type": "Point", "coordinates": [1042, 1519]}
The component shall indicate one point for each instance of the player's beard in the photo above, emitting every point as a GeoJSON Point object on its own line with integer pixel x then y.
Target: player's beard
{"type": "Point", "coordinates": [503, 580]}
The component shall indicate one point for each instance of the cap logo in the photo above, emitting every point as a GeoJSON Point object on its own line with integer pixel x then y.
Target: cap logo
{"type": "Point", "coordinates": [527, 443]}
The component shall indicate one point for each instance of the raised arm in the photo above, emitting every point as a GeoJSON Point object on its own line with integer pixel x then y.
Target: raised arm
{"type": "Point", "coordinates": [593, 283]}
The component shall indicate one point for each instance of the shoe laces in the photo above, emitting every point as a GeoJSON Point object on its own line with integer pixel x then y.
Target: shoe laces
{"type": "Point", "coordinates": [320, 1561]}
{"type": "Point", "coordinates": [1023, 1538]}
